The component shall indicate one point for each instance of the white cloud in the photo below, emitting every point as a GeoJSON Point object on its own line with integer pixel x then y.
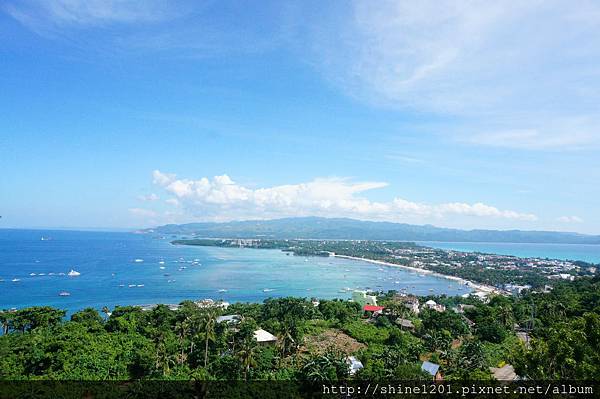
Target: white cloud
{"type": "Point", "coordinates": [172, 201]}
{"type": "Point", "coordinates": [561, 134]}
{"type": "Point", "coordinates": [514, 74]}
{"type": "Point", "coordinates": [148, 198]}
{"type": "Point", "coordinates": [404, 158]}
{"type": "Point", "coordinates": [143, 26]}
{"type": "Point", "coordinates": [40, 15]}
{"type": "Point", "coordinates": [530, 69]}
{"type": "Point", "coordinates": [220, 198]}
{"type": "Point", "coordinates": [570, 219]}
{"type": "Point", "coordinates": [143, 213]}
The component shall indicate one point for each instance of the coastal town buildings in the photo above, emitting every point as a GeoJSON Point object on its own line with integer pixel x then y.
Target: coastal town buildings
{"type": "Point", "coordinates": [362, 298]}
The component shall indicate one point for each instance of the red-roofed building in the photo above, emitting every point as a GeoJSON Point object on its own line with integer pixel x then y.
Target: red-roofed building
{"type": "Point", "coordinates": [373, 308]}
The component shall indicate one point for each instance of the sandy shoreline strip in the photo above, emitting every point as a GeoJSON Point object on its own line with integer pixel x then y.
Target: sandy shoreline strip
{"type": "Point", "coordinates": [468, 283]}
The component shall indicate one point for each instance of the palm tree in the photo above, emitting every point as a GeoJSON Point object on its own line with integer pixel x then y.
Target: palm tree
{"type": "Point", "coordinates": [286, 340]}
{"type": "Point", "coordinates": [162, 356]}
{"type": "Point", "coordinates": [195, 327]}
{"type": "Point", "coordinates": [182, 328]}
{"type": "Point", "coordinates": [246, 353]}
{"type": "Point", "coordinates": [209, 319]}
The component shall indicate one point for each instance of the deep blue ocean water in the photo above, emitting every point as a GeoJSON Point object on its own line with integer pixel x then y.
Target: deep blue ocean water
{"type": "Point", "coordinates": [586, 253]}
{"type": "Point", "coordinates": [107, 263]}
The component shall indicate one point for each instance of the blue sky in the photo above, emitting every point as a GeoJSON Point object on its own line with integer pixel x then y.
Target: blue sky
{"type": "Point", "coordinates": [135, 113]}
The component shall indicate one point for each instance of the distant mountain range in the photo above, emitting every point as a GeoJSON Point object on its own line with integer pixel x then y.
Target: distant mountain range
{"type": "Point", "coordinates": [350, 229]}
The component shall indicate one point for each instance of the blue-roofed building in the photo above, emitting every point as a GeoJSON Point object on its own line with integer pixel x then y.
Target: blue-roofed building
{"type": "Point", "coordinates": [233, 319]}
{"type": "Point", "coordinates": [353, 364]}
{"type": "Point", "coordinates": [432, 369]}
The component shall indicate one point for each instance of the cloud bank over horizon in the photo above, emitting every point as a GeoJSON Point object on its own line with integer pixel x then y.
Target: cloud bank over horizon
{"type": "Point", "coordinates": [222, 199]}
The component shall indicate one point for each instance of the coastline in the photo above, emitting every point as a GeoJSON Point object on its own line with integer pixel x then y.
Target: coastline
{"type": "Point", "coordinates": [471, 284]}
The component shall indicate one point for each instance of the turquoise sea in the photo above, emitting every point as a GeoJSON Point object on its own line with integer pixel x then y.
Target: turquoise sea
{"type": "Point", "coordinates": [130, 269]}
{"type": "Point", "coordinates": [586, 253]}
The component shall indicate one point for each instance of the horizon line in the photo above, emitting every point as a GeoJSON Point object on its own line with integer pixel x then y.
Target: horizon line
{"type": "Point", "coordinates": [134, 229]}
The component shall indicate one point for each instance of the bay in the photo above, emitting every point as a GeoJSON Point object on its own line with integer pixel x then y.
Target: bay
{"type": "Point", "coordinates": [132, 269]}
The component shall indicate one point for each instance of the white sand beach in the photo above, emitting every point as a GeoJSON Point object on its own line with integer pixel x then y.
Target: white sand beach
{"type": "Point", "coordinates": [471, 284]}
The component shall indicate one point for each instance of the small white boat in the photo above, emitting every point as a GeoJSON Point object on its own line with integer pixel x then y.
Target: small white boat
{"type": "Point", "coordinates": [222, 290]}
{"type": "Point", "coordinates": [162, 268]}
{"type": "Point", "coordinates": [64, 293]}
{"type": "Point", "coordinates": [131, 285]}
{"type": "Point", "coordinates": [45, 239]}
{"type": "Point", "coordinates": [138, 260]}
{"type": "Point", "coordinates": [162, 262]}
{"type": "Point", "coordinates": [42, 274]}
{"type": "Point", "coordinates": [73, 273]}
{"type": "Point", "coordinates": [267, 290]}
{"type": "Point", "coordinates": [14, 280]}
{"type": "Point", "coordinates": [121, 285]}
{"type": "Point", "coordinates": [32, 274]}
{"type": "Point", "coordinates": [140, 285]}
{"type": "Point", "coordinates": [61, 274]}
{"type": "Point", "coordinates": [51, 274]}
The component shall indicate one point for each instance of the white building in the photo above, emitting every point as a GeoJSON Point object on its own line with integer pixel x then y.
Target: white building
{"type": "Point", "coordinates": [516, 289]}
{"type": "Point", "coordinates": [431, 304]}
{"type": "Point", "coordinates": [410, 302]}
{"type": "Point", "coordinates": [363, 299]}
{"type": "Point", "coordinates": [264, 337]}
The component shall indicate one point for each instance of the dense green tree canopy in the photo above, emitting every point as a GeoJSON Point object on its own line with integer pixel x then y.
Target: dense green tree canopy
{"type": "Point", "coordinates": [563, 327]}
